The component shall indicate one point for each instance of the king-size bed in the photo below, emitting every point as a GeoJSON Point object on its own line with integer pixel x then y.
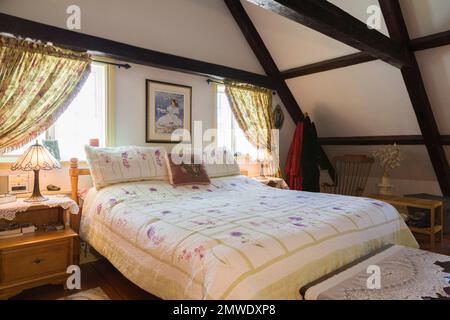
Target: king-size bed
{"type": "Point", "coordinates": [234, 238]}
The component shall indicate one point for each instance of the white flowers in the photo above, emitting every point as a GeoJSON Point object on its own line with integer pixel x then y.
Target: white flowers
{"type": "Point", "coordinates": [388, 157]}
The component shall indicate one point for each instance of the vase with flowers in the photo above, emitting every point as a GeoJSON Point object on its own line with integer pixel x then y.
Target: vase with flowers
{"type": "Point", "coordinates": [388, 158]}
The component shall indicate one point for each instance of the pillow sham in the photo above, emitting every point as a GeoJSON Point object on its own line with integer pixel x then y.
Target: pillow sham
{"type": "Point", "coordinates": [125, 164]}
{"type": "Point", "coordinates": [220, 162]}
{"type": "Point", "coordinates": [186, 172]}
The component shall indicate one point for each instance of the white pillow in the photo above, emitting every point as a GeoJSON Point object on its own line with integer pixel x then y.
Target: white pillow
{"type": "Point", "coordinates": [227, 165]}
{"type": "Point", "coordinates": [126, 164]}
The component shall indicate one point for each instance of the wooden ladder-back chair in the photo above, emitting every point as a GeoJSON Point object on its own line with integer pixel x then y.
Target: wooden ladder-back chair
{"type": "Point", "coordinates": [352, 173]}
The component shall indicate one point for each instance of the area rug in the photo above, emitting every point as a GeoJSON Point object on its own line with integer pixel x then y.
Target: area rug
{"type": "Point", "coordinates": [91, 294]}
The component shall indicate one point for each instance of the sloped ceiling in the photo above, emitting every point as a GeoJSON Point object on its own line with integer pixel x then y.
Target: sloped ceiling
{"type": "Point", "coordinates": [435, 67]}
{"type": "Point", "coordinates": [358, 9]}
{"type": "Point", "coordinates": [367, 99]}
{"type": "Point", "coordinates": [425, 17]}
{"type": "Point", "coordinates": [362, 100]}
{"type": "Point", "coordinates": [291, 44]}
{"type": "Point", "coordinates": [198, 29]}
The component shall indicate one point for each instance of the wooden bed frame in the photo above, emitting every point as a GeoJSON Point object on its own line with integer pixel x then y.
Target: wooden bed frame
{"type": "Point", "coordinates": [74, 173]}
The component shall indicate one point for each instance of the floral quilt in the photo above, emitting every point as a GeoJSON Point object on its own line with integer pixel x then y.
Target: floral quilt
{"type": "Point", "coordinates": [233, 239]}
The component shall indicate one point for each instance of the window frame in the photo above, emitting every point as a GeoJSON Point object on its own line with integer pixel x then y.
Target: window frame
{"type": "Point", "coordinates": [252, 162]}
{"type": "Point", "coordinates": [110, 132]}
{"type": "Point", "coordinates": [233, 134]}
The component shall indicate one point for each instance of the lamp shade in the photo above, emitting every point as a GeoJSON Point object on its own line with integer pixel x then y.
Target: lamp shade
{"type": "Point", "coordinates": [37, 157]}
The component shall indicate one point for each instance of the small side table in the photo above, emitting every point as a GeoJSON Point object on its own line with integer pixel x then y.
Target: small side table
{"type": "Point", "coordinates": [274, 182]}
{"type": "Point", "coordinates": [38, 258]}
{"type": "Point", "coordinates": [435, 207]}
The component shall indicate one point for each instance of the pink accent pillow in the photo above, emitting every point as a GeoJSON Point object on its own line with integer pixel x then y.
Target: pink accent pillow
{"type": "Point", "coordinates": [186, 173]}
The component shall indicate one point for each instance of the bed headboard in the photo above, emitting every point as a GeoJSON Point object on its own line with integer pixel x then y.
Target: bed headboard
{"type": "Point", "coordinates": [74, 173]}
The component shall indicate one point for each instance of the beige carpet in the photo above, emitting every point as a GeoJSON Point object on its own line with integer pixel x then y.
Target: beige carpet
{"type": "Point", "coordinates": [91, 294]}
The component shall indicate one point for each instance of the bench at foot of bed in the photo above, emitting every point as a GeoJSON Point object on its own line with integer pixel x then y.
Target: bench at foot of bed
{"type": "Point", "coordinates": [392, 273]}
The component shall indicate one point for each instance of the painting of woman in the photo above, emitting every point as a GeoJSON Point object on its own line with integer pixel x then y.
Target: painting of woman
{"type": "Point", "coordinates": [170, 121]}
{"type": "Point", "coordinates": [168, 109]}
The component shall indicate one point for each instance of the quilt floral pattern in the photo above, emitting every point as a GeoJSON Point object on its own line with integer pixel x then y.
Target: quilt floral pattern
{"type": "Point", "coordinates": [233, 239]}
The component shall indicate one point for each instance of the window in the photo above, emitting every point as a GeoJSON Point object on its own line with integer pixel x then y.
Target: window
{"type": "Point", "coordinates": [229, 134]}
{"type": "Point", "coordinates": [84, 118]}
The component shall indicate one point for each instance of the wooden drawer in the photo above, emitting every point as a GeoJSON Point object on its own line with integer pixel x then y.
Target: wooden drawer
{"type": "Point", "coordinates": [34, 261]}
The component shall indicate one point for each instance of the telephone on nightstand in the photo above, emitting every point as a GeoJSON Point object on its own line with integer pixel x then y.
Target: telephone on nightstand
{"type": "Point", "coordinates": [5, 197]}
{"type": "Point", "coordinates": [15, 183]}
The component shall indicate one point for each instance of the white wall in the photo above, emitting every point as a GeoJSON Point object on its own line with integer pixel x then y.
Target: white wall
{"type": "Point", "coordinates": [130, 101]}
{"type": "Point", "coordinates": [130, 112]}
{"type": "Point", "coordinates": [286, 132]}
{"type": "Point", "coordinates": [366, 99]}
{"type": "Point", "coordinates": [424, 17]}
{"type": "Point", "coordinates": [130, 105]}
{"type": "Point", "coordinates": [198, 29]}
{"type": "Point", "coordinates": [369, 98]}
{"type": "Point", "coordinates": [291, 44]}
{"type": "Point", "coordinates": [415, 175]}
{"type": "Point", "coordinates": [435, 68]}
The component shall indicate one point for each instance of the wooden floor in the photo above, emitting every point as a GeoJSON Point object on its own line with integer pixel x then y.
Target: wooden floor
{"type": "Point", "coordinates": [102, 274]}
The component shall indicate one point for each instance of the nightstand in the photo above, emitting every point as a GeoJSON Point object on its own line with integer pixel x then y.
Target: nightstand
{"type": "Point", "coordinates": [39, 258]}
{"type": "Point", "coordinates": [274, 182]}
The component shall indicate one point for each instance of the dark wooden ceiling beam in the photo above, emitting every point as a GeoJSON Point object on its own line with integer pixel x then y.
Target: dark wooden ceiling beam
{"type": "Point", "coordinates": [265, 59]}
{"type": "Point", "coordinates": [372, 140]}
{"type": "Point", "coordinates": [378, 140]}
{"type": "Point", "coordinates": [416, 89]}
{"type": "Point", "coordinates": [331, 64]}
{"type": "Point", "coordinates": [422, 43]}
{"type": "Point", "coordinates": [334, 22]}
{"type": "Point", "coordinates": [445, 140]}
{"type": "Point", "coordinates": [431, 41]}
{"type": "Point", "coordinates": [125, 52]}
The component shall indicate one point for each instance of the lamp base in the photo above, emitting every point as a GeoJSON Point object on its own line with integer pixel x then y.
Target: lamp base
{"type": "Point", "coordinates": [36, 196]}
{"type": "Point", "coordinates": [36, 199]}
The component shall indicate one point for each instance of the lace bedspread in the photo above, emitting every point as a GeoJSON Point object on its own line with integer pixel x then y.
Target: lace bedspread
{"type": "Point", "coordinates": [8, 210]}
{"type": "Point", "coordinates": [405, 274]}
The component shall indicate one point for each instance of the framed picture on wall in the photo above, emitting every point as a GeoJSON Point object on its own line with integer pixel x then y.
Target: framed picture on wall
{"type": "Point", "coordinates": [168, 108]}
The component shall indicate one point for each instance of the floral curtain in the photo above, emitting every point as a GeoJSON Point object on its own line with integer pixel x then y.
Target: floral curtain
{"type": "Point", "coordinates": [252, 108]}
{"type": "Point", "coordinates": [37, 83]}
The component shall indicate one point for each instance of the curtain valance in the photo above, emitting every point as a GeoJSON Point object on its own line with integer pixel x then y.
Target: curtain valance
{"type": "Point", "coordinates": [37, 83]}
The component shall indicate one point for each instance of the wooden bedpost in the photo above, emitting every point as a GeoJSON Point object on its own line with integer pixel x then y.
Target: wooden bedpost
{"type": "Point", "coordinates": [75, 220]}
{"type": "Point", "coordinates": [73, 172]}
